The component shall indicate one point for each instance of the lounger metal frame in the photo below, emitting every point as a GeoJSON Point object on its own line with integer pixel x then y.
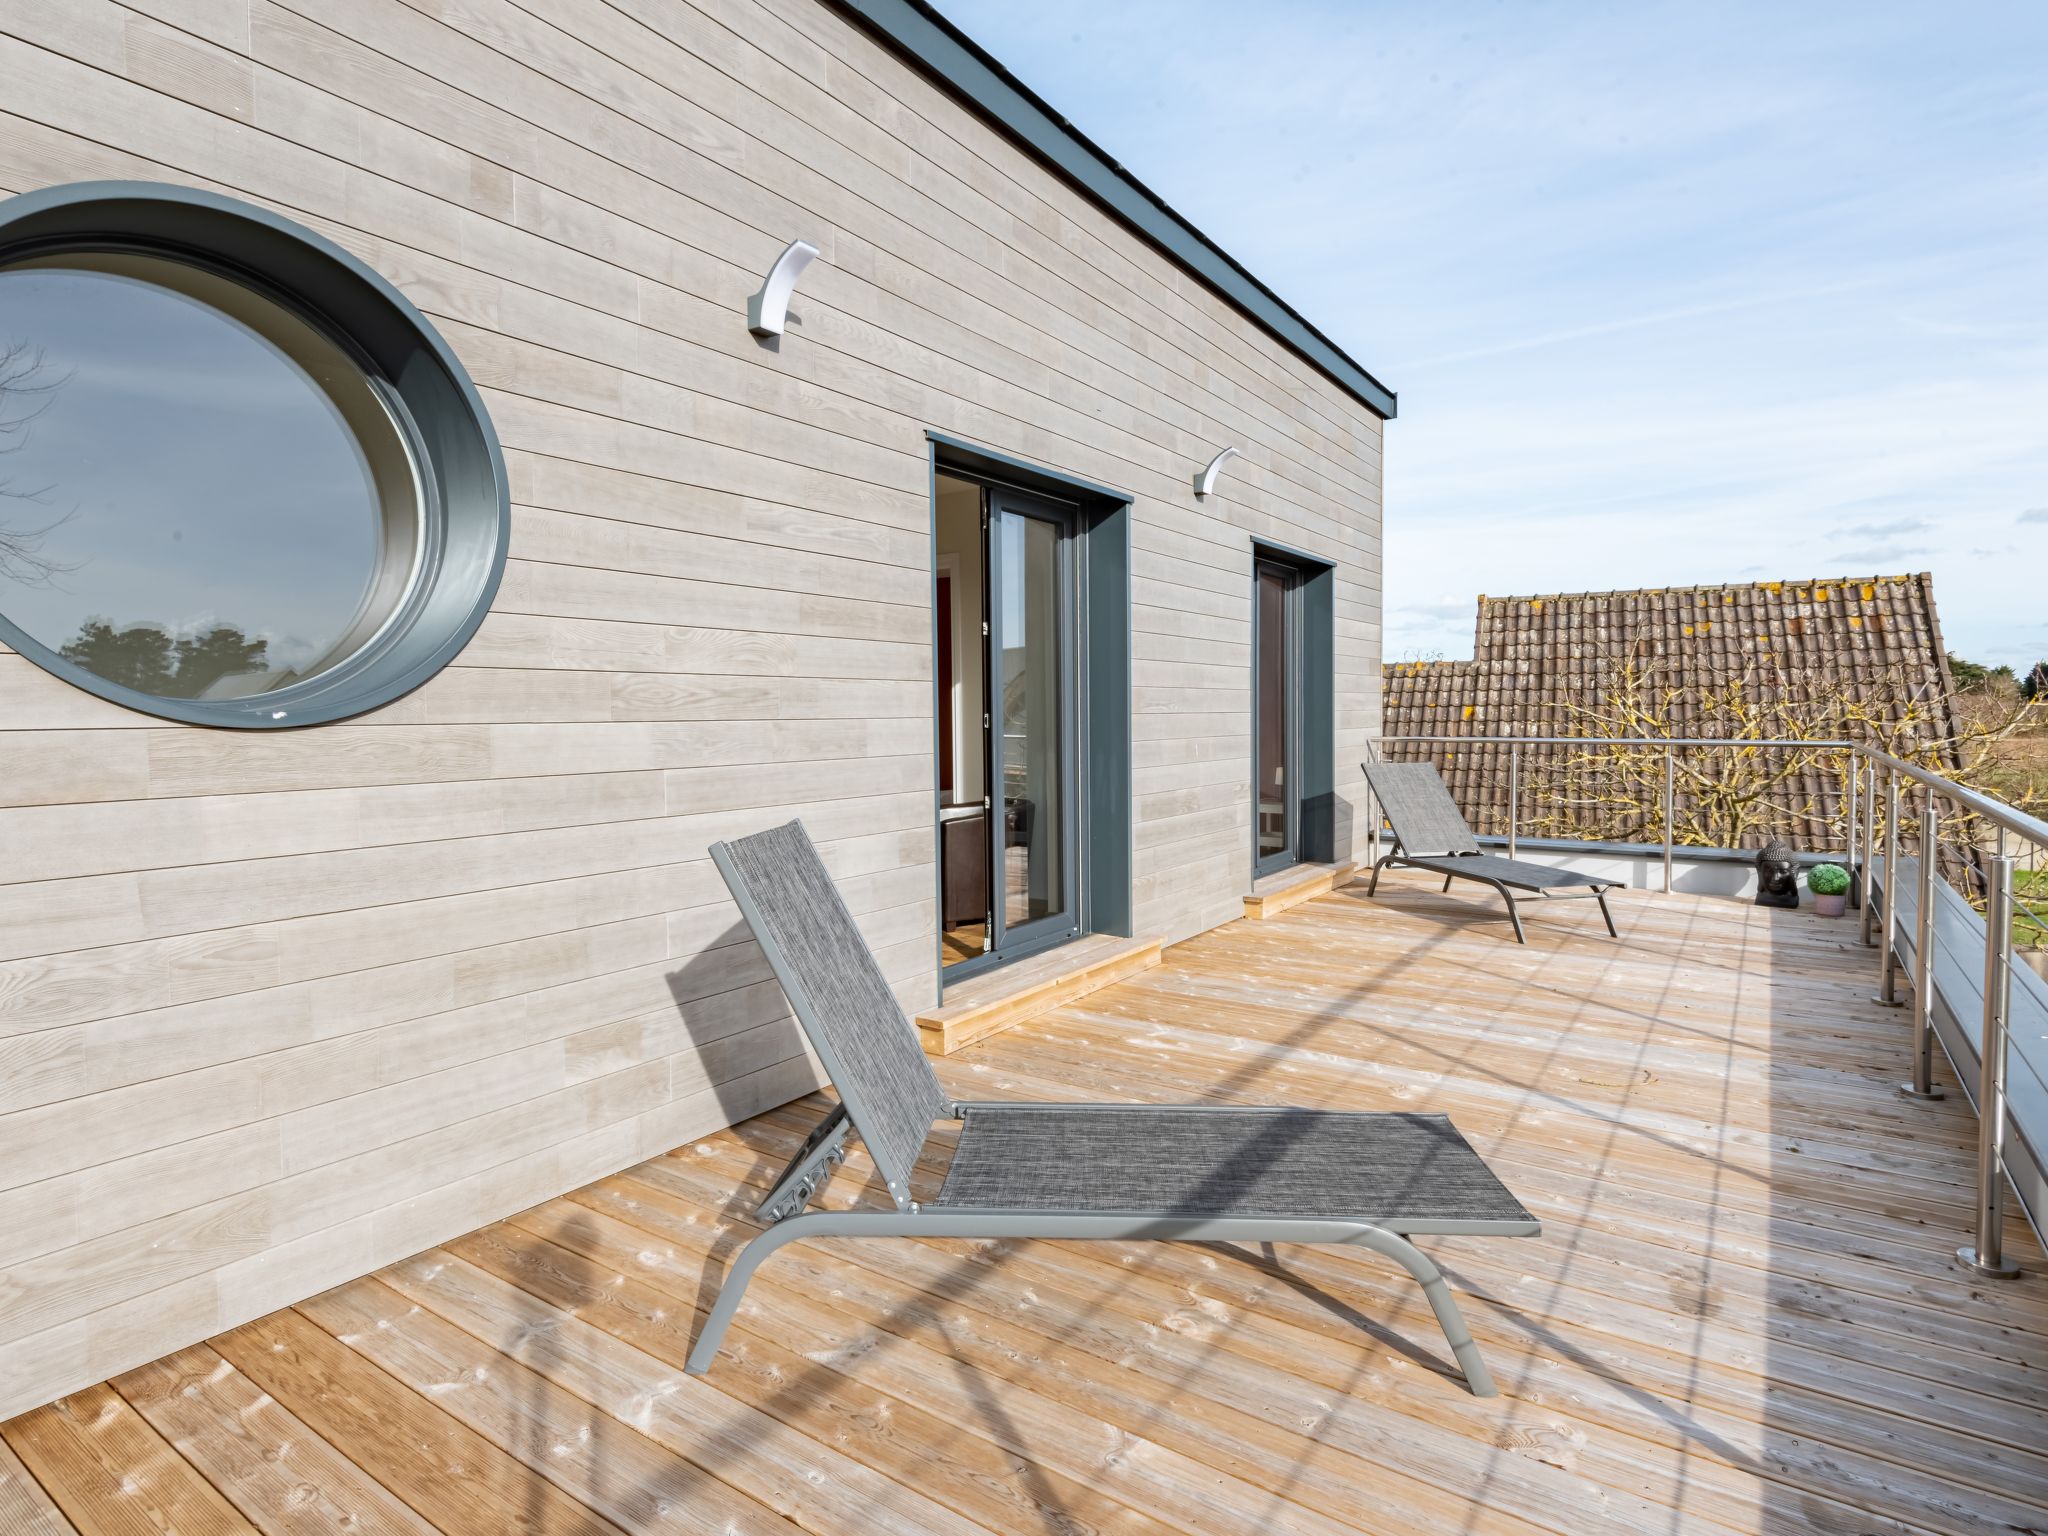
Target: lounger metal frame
{"type": "Point", "coordinates": [1435, 864]}
{"type": "Point", "coordinates": [783, 1208]}
{"type": "Point", "coordinates": [1567, 887]}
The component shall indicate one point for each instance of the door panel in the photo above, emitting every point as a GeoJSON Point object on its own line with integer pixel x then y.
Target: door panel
{"type": "Point", "coordinates": [1031, 666]}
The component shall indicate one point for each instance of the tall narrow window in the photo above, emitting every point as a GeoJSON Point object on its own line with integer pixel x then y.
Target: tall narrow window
{"type": "Point", "coordinates": [1033, 664]}
{"type": "Point", "coordinates": [1277, 716]}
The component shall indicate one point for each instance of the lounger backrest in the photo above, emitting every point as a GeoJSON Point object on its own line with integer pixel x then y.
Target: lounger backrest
{"type": "Point", "coordinates": [838, 994]}
{"type": "Point", "coordinates": [1421, 811]}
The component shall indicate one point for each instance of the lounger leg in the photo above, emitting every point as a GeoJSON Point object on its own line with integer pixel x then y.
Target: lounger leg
{"type": "Point", "coordinates": [1515, 918]}
{"type": "Point", "coordinates": [728, 1304]}
{"type": "Point", "coordinates": [1447, 884]}
{"type": "Point", "coordinates": [1441, 1302]}
{"type": "Point", "coordinates": [1373, 889]}
{"type": "Point", "coordinates": [1602, 899]}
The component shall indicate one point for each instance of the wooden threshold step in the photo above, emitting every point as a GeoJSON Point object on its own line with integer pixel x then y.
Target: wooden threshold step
{"type": "Point", "coordinates": [1291, 887]}
{"type": "Point", "coordinates": [981, 1005]}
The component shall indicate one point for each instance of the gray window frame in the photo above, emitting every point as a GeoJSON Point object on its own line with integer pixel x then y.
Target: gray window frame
{"type": "Point", "coordinates": [1316, 834]}
{"type": "Point", "coordinates": [1009, 943]}
{"type": "Point", "coordinates": [1102, 818]}
{"type": "Point", "coordinates": [465, 508]}
{"type": "Point", "coordinates": [1294, 689]}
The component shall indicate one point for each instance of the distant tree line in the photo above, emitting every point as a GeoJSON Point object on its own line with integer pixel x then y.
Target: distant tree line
{"type": "Point", "coordinates": [1969, 674]}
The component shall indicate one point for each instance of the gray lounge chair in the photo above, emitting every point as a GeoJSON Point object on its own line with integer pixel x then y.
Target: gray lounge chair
{"type": "Point", "coordinates": [1430, 833]}
{"type": "Point", "coordinates": [1181, 1173]}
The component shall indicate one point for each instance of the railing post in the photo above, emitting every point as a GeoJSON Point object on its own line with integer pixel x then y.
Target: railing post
{"type": "Point", "coordinates": [1869, 862]}
{"type": "Point", "coordinates": [1853, 803]}
{"type": "Point", "coordinates": [1887, 949]}
{"type": "Point", "coordinates": [1922, 1086]}
{"type": "Point", "coordinates": [1514, 790]}
{"type": "Point", "coordinates": [1986, 1256]}
{"type": "Point", "coordinates": [1670, 809]}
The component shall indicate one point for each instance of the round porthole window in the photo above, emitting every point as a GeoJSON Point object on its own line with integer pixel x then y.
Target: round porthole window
{"type": "Point", "coordinates": [242, 481]}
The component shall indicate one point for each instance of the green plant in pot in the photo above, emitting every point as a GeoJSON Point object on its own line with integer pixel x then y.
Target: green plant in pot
{"type": "Point", "coordinates": [1830, 886]}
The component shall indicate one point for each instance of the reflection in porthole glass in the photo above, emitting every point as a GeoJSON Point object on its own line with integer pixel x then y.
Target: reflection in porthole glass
{"type": "Point", "coordinates": [202, 495]}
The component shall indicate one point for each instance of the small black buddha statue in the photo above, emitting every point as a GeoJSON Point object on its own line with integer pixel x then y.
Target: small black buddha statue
{"type": "Point", "coordinates": [1777, 875]}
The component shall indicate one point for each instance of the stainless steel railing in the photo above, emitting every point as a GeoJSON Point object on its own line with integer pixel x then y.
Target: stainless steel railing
{"type": "Point", "coordinates": [1873, 784]}
{"type": "Point", "coordinates": [1986, 1256]}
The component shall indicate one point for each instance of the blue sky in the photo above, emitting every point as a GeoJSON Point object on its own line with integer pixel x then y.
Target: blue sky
{"type": "Point", "coordinates": [1671, 294]}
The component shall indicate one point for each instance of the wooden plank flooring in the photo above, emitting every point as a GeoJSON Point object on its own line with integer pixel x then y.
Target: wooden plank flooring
{"type": "Point", "coordinates": [1741, 1315]}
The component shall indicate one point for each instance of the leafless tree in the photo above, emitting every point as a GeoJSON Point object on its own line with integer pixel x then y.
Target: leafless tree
{"type": "Point", "coordinates": [26, 391]}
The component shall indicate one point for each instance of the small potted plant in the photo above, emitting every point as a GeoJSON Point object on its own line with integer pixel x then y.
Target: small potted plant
{"type": "Point", "coordinates": [1830, 886]}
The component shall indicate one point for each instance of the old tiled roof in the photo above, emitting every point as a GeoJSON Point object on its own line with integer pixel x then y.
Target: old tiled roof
{"type": "Point", "coordinates": [1823, 653]}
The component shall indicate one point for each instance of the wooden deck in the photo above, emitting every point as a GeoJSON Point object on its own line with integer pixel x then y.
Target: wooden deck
{"type": "Point", "coordinates": [1741, 1315]}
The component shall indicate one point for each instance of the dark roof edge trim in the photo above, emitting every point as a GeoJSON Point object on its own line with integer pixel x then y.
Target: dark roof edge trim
{"type": "Point", "coordinates": [957, 62]}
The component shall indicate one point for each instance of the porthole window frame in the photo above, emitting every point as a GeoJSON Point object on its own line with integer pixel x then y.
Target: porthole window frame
{"type": "Point", "coordinates": [465, 501]}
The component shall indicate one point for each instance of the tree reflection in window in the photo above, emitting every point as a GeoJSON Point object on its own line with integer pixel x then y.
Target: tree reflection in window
{"type": "Point", "coordinates": [148, 660]}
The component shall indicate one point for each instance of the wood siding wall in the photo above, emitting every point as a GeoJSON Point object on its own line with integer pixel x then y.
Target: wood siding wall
{"type": "Point", "coordinates": [276, 1009]}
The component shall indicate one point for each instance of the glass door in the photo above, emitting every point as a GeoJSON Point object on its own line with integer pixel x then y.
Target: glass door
{"type": "Point", "coordinates": [1276, 712]}
{"type": "Point", "coordinates": [1031, 657]}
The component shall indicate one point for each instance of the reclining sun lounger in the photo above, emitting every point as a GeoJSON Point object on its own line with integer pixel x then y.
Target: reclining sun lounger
{"type": "Point", "coordinates": [1430, 833]}
{"type": "Point", "coordinates": [1194, 1173]}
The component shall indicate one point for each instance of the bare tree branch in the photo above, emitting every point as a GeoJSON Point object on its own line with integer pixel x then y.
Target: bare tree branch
{"type": "Point", "coordinates": [26, 391]}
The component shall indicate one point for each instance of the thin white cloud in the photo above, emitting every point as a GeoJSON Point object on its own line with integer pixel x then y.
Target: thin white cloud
{"type": "Point", "coordinates": [1880, 530]}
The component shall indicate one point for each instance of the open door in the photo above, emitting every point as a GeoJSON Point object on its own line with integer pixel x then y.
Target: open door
{"type": "Point", "coordinates": [1008, 841]}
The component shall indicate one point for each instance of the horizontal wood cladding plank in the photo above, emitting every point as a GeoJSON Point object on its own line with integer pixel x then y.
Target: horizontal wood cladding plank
{"type": "Point", "coordinates": [517, 1094]}
{"type": "Point", "coordinates": [185, 763]}
{"type": "Point", "coordinates": [593, 539]}
{"type": "Point", "coordinates": [569, 591]}
{"type": "Point", "coordinates": [85, 985]}
{"type": "Point", "coordinates": [565, 485]}
{"type": "Point", "coordinates": [424, 1191]}
{"type": "Point", "coordinates": [617, 645]}
{"type": "Point", "coordinates": [51, 767]}
{"type": "Point", "coordinates": [59, 842]}
{"type": "Point", "coordinates": [330, 1051]}
{"type": "Point", "coordinates": [72, 1060]}
{"type": "Point", "coordinates": [142, 1120]}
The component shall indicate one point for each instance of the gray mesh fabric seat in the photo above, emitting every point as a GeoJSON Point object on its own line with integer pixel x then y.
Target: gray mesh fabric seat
{"type": "Point", "coordinates": [1400, 1170]}
{"type": "Point", "coordinates": [1212, 1173]}
{"type": "Point", "coordinates": [1430, 833]}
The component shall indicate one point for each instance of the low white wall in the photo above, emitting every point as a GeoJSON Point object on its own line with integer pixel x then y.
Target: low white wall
{"type": "Point", "coordinates": [1695, 871]}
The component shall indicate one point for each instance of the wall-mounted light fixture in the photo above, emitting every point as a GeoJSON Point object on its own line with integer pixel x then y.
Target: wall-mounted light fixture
{"type": "Point", "coordinates": [768, 309]}
{"type": "Point", "coordinates": [1205, 482]}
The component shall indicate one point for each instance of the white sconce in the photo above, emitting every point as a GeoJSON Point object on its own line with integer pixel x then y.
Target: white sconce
{"type": "Point", "coordinates": [768, 309]}
{"type": "Point", "coordinates": [1205, 482]}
